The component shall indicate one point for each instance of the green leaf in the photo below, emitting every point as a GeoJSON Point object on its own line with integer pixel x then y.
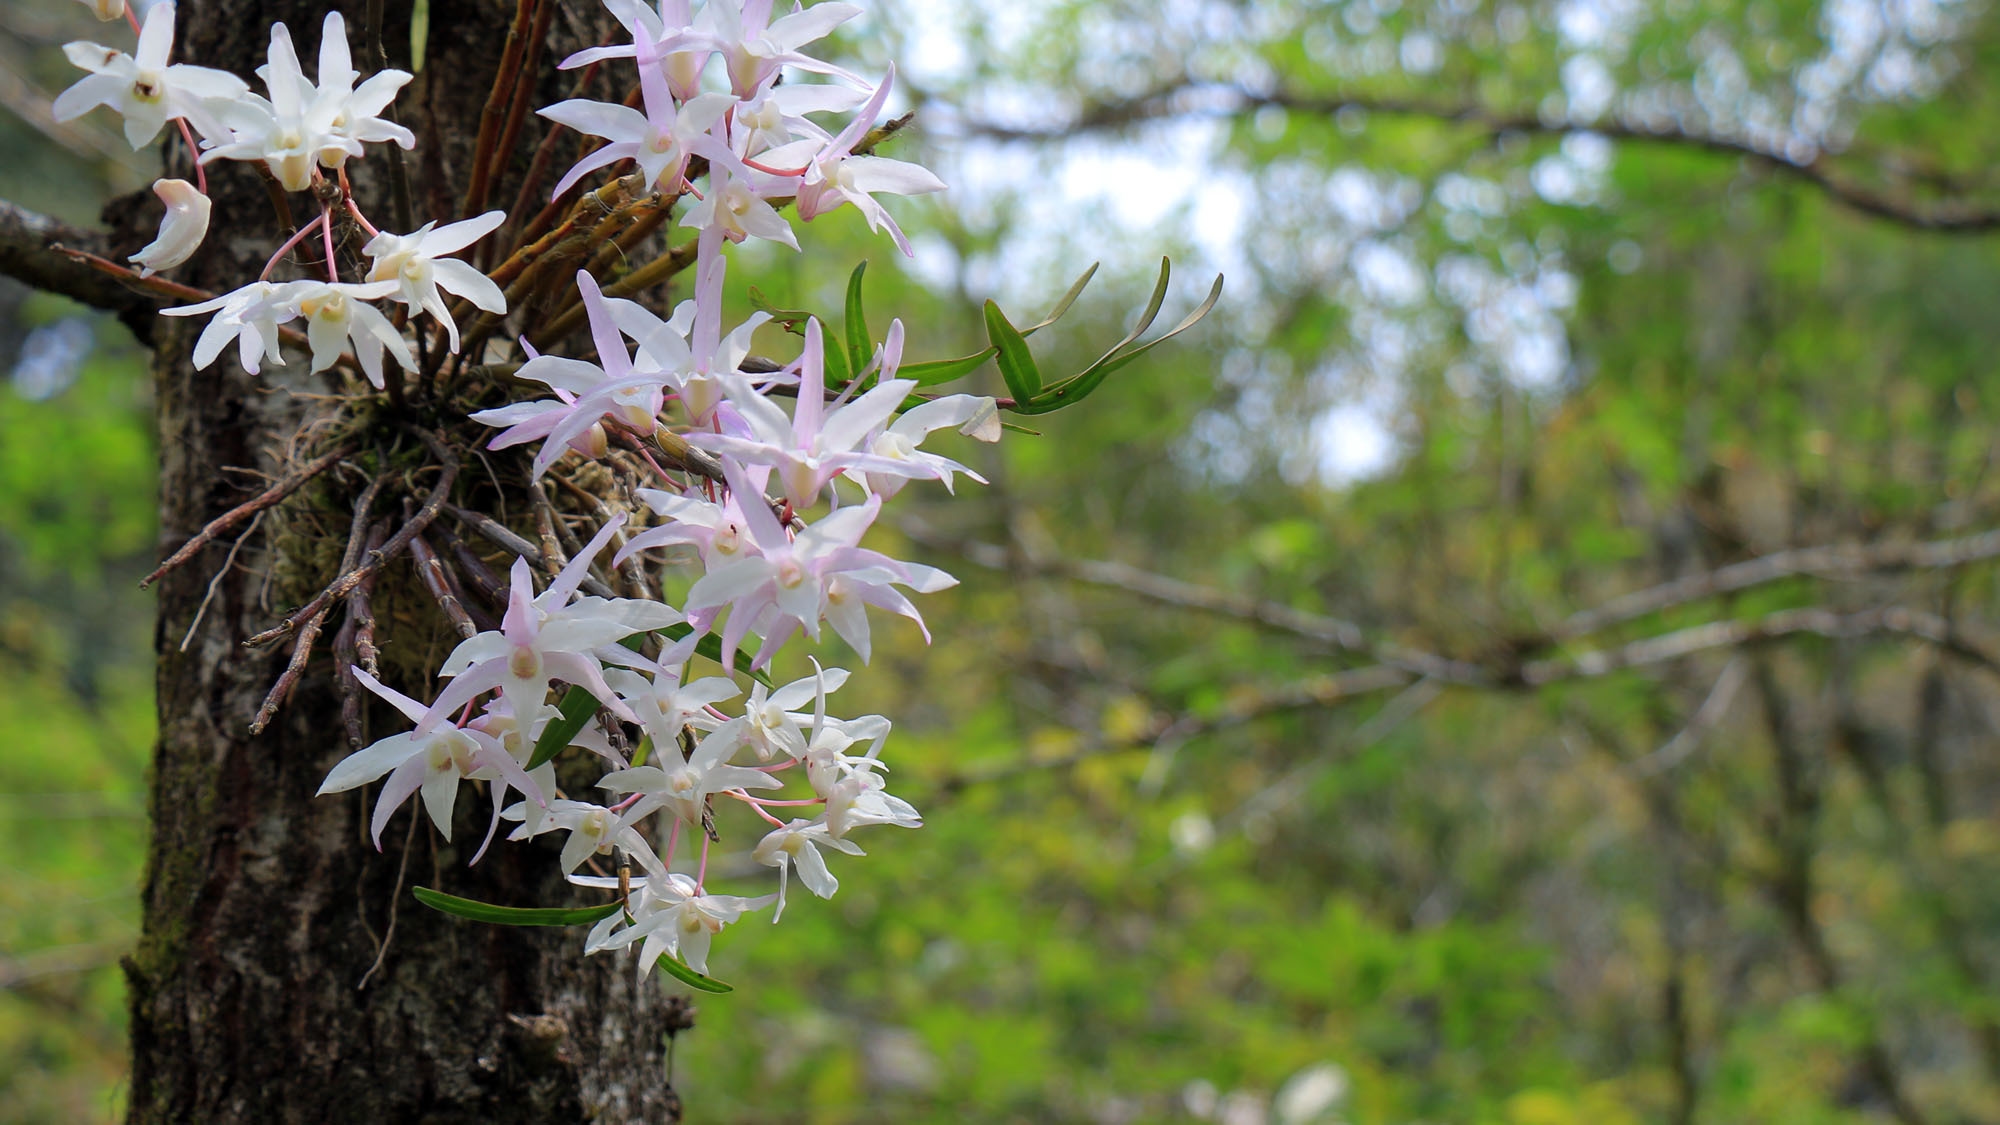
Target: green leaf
{"type": "Point", "coordinates": [935, 371]}
{"type": "Point", "coordinates": [1068, 299]}
{"type": "Point", "coordinates": [515, 915]}
{"type": "Point", "coordinates": [1024, 379]}
{"type": "Point", "coordinates": [1145, 319]}
{"type": "Point", "coordinates": [420, 34]}
{"type": "Point", "coordinates": [673, 967]}
{"type": "Point", "coordinates": [644, 751]}
{"type": "Point", "coordinates": [792, 320]}
{"type": "Point", "coordinates": [710, 646]}
{"type": "Point", "coordinates": [576, 708]}
{"type": "Point", "coordinates": [1076, 388]}
{"type": "Point", "coordinates": [859, 344]}
{"type": "Point", "coordinates": [932, 372]}
{"type": "Point", "coordinates": [838, 374]}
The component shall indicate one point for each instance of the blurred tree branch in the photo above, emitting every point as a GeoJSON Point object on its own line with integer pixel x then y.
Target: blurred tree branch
{"type": "Point", "coordinates": [1192, 98]}
{"type": "Point", "coordinates": [28, 254]}
{"type": "Point", "coordinates": [1835, 561]}
{"type": "Point", "coordinates": [1399, 666]}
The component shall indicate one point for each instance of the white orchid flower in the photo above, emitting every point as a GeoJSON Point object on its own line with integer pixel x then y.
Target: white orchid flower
{"type": "Point", "coordinates": [142, 86]}
{"type": "Point", "coordinates": [181, 230]}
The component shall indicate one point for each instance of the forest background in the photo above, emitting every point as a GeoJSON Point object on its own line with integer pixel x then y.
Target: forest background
{"type": "Point", "coordinates": [1529, 657]}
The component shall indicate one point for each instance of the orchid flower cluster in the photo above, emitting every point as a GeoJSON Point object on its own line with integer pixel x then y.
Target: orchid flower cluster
{"type": "Point", "coordinates": [773, 513]}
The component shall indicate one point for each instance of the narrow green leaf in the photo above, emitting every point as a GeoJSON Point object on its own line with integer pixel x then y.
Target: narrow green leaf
{"type": "Point", "coordinates": [1153, 306]}
{"type": "Point", "coordinates": [792, 320]}
{"type": "Point", "coordinates": [644, 751]}
{"type": "Point", "coordinates": [673, 967]}
{"type": "Point", "coordinates": [838, 374]}
{"type": "Point", "coordinates": [1068, 299]}
{"type": "Point", "coordinates": [1024, 379]}
{"type": "Point", "coordinates": [710, 646]}
{"type": "Point", "coordinates": [935, 371]}
{"type": "Point", "coordinates": [1076, 388]}
{"type": "Point", "coordinates": [515, 915]}
{"type": "Point", "coordinates": [574, 711]}
{"type": "Point", "coordinates": [859, 344]}
{"type": "Point", "coordinates": [420, 34]}
{"type": "Point", "coordinates": [1145, 321]}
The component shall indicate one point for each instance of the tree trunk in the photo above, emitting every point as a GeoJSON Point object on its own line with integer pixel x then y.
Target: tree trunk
{"type": "Point", "coordinates": [263, 904]}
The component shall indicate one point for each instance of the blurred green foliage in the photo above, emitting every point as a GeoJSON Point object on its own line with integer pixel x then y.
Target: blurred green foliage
{"type": "Point", "coordinates": [1592, 367]}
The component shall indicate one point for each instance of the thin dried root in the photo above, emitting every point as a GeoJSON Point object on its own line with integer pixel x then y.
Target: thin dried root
{"type": "Point", "coordinates": [500, 536]}
{"type": "Point", "coordinates": [235, 515]}
{"type": "Point", "coordinates": [431, 569]}
{"type": "Point", "coordinates": [433, 504]}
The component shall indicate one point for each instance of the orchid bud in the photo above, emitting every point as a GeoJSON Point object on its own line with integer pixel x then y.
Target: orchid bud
{"type": "Point", "coordinates": [181, 231]}
{"type": "Point", "coordinates": [106, 10]}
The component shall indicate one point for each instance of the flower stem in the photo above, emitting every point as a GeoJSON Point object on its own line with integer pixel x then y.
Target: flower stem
{"type": "Point", "coordinates": [298, 237]}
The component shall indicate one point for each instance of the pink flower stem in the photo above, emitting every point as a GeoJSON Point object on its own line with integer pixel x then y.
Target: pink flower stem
{"type": "Point", "coordinates": [770, 804]}
{"type": "Point", "coordinates": [287, 247]}
{"type": "Point", "coordinates": [354, 209]}
{"type": "Point", "coordinates": [326, 232]}
{"type": "Point", "coordinates": [772, 820]}
{"type": "Point", "coordinates": [627, 803]}
{"type": "Point", "coordinates": [194, 153]}
{"type": "Point", "coordinates": [132, 18]}
{"type": "Point", "coordinates": [767, 169]}
{"type": "Point", "coordinates": [648, 457]}
{"type": "Point", "coordinates": [673, 838]}
{"type": "Point", "coordinates": [701, 874]}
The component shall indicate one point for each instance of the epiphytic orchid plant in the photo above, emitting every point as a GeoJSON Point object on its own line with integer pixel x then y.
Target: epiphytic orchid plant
{"type": "Point", "coordinates": [668, 436]}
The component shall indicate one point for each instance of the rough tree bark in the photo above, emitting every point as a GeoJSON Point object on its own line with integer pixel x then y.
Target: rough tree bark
{"type": "Point", "coordinates": [263, 906]}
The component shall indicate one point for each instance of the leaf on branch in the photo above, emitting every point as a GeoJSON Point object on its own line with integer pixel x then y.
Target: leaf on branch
{"type": "Point", "coordinates": [575, 710]}
{"type": "Point", "coordinates": [516, 915]}
{"type": "Point", "coordinates": [1075, 388]}
{"type": "Point", "coordinates": [674, 968]}
{"type": "Point", "coordinates": [932, 372]}
{"type": "Point", "coordinates": [859, 344]}
{"type": "Point", "coordinates": [1024, 379]}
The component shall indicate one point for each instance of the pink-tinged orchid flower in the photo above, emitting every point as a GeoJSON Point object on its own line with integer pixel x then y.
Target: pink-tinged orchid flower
{"type": "Point", "coordinates": [717, 529]}
{"type": "Point", "coordinates": [684, 786]}
{"type": "Point", "coordinates": [673, 916]}
{"type": "Point", "coordinates": [432, 763]}
{"type": "Point", "coordinates": [797, 845]}
{"type": "Point", "coordinates": [785, 586]}
{"type": "Point", "coordinates": [547, 637]}
{"type": "Point", "coordinates": [754, 47]}
{"type": "Point", "coordinates": [975, 416]}
{"type": "Point", "coordinates": [593, 830]}
{"type": "Point", "coordinates": [836, 176]}
{"type": "Point", "coordinates": [589, 392]}
{"type": "Point", "coordinates": [815, 444]}
{"type": "Point", "coordinates": [736, 204]}
{"type": "Point", "coordinates": [659, 140]}
{"type": "Point", "coordinates": [681, 52]}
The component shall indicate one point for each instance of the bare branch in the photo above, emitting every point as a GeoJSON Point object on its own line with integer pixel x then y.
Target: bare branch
{"type": "Point", "coordinates": [500, 535]}
{"type": "Point", "coordinates": [1199, 99]}
{"type": "Point", "coordinates": [1817, 620]}
{"type": "Point", "coordinates": [230, 518]}
{"type": "Point", "coordinates": [28, 254]}
{"type": "Point", "coordinates": [1334, 631]}
{"type": "Point", "coordinates": [1840, 561]}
